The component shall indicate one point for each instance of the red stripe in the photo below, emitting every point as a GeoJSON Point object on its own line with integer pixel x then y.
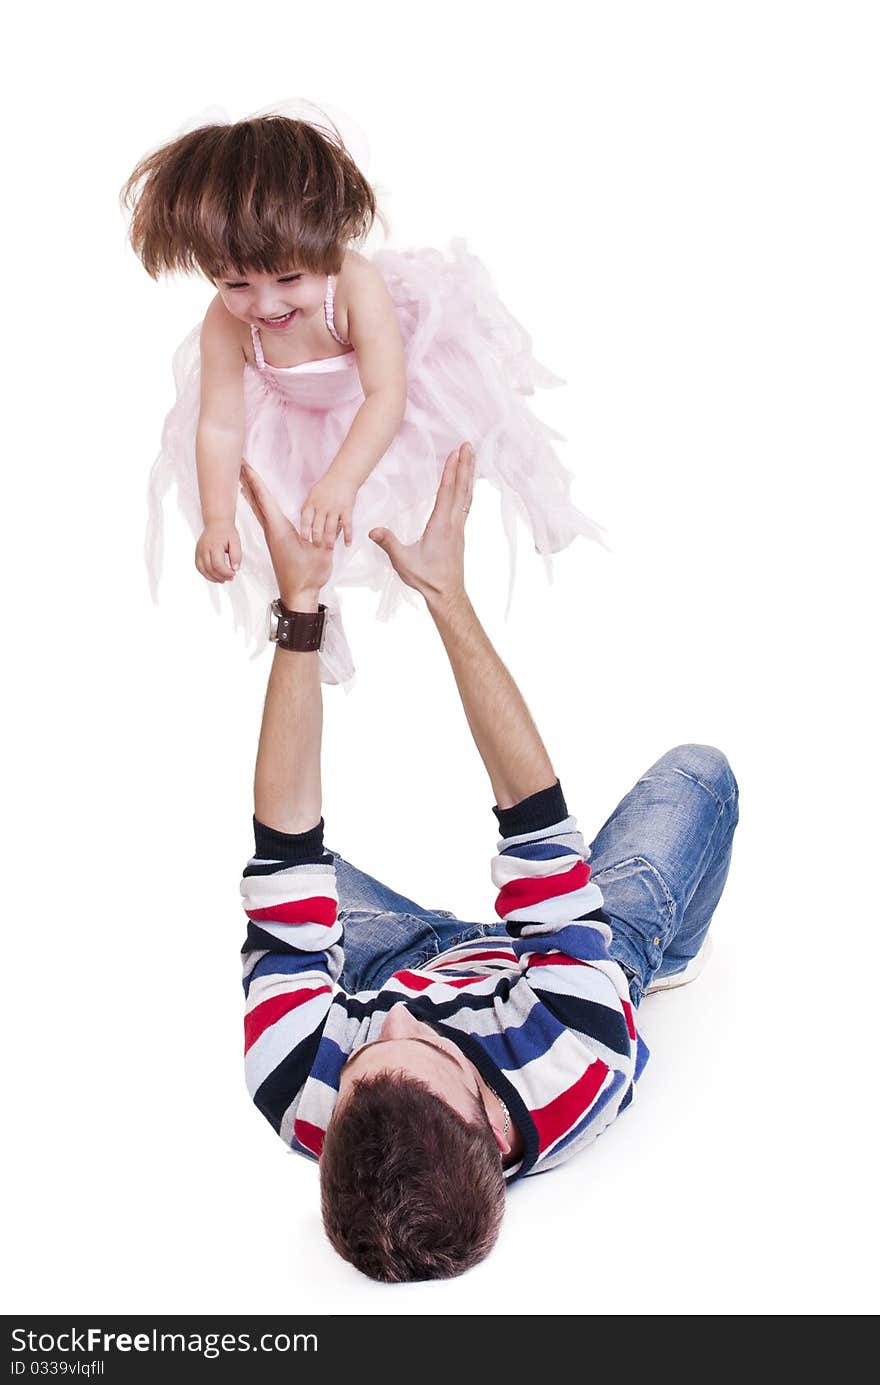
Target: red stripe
{"type": "Point", "coordinates": [521, 894]}
{"type": "Point", "coordinates": [311, 1137]}
{"type": "Point", "coordinates": [558, 1117]}
{"type": "Point", "coordinates": [466, 958]}
{"type": "Point", "coordinates": [630, 1022]}
{"type": "Point", "coordinates": [411, 979]}
{"type": "Point", "coordinates": [319, 909]}
{"type": "Point", "coordinates": [464, 981]}
{"type": "Point", "coordinates": [256, 1021]}
{"type": "Point", "coordinates": [554, 959]}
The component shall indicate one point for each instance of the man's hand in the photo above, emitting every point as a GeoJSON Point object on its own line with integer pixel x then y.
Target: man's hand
{"type": "Point", "coordinates": [301, 569]}
{"type": "Point", "coordinates": [435, 565]}
{"type": "Point", "coordinates": [327, 510]}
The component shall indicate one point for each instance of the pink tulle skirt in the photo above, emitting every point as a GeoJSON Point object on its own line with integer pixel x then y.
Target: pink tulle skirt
{"type": "Point", "coordinates": [469, 370]}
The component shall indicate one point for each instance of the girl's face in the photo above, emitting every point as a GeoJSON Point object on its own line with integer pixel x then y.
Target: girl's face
{"type": "Point", "coordinates": [277, 302]}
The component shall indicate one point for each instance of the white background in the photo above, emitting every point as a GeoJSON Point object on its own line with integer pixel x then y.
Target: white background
{"type": "Point", "coordinates": [680, 201]}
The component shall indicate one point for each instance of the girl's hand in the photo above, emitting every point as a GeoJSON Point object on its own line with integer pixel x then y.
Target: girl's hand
{"type": "Point", "coordinates": [327, 510]}
{"type": "Point", "coordinates": [218, 551]}
{"type": "Point", "coordinates": [300, 567]}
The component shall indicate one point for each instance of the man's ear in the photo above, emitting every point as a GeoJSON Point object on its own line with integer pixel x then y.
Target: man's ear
{"type": "Point", "coordinates": [504, 1146]}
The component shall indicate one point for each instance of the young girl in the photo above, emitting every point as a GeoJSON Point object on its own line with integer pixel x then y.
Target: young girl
{"type": "Point", "coordinates": [344, 381]}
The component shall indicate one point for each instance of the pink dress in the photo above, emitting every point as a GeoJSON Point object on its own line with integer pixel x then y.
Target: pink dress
{"type": "Point", "coordinates": [469, 367]}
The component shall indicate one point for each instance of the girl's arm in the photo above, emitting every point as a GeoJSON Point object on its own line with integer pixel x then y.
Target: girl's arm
{"type": "Point", "coordinates": [219, 441]}
{"type": "Point", "coordinates": [374, 333]}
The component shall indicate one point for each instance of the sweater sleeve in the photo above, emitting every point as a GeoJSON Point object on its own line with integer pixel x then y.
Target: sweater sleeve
{"type": "Point", "coordinates": [543, 876]}
{"type": "Point", "coordinates": [553, 912]}
{"type": "Point", "coordinates": [292, 958]}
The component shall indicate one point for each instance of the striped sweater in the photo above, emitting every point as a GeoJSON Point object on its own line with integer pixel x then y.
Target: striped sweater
{"type": "Point", "coordinates": [544, 1014]}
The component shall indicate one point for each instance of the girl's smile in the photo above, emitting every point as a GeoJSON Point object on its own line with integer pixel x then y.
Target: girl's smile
{"type": "Point", "coordinates": [277, 324]}
{"type": "Point", "coordinates": [275, 302]}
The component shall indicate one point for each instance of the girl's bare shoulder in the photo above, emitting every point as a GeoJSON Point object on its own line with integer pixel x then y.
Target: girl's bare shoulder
{"type": "Point", "coordinates": [360, 292]}
{"type": "Point", "coordinates": [357, 278]}
{"type": "Point", "coordinates": [224, 336]}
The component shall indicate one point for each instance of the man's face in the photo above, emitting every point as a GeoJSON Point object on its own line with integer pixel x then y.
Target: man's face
{"type": "Point", "coordinates": [278, 303]}
{"type": "Point", "coordinates": [407, 1046]}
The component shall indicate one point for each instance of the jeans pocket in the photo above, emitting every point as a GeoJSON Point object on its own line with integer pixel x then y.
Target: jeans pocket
{"type": "Point", "coordinates": [639, 887]}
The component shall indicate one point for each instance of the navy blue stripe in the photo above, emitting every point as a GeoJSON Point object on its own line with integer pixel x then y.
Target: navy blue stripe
{"type": "Point", "coordinates": [259, 941]}
{"type": "Point", "coordinates": [287, 964]}
{"type": "Point", "coordinates": [541, 809]}
{"type": "Point", "coordinates": [274, 1095]}
{"type": "Point", "coordinates": [293, 848]}
{"type": "Point", "coordinates": [589, 1017]}
{"type": "Point", "coordinates": [515, 928]}
{"type": "Point", "coordinates": [383, 1001]}
{"type": "Point", "coordinates": [273, 867]}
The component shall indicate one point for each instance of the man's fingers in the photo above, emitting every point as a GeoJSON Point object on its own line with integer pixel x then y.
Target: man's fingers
{"type": "Point", "coordinates": [234, 552]}
{"type": "Point", "coordinates": [383, 538]}
{"type": "Point", "coordinates": [346, 530]}
{"type": "Point", "coordinates": [443, 504]}
{"type": "Point", "coordinates": [463, 489]}
{"type": "Point", "coordinates": [249, 494]}
{"type": "Point", "coordinates": [262, 501]}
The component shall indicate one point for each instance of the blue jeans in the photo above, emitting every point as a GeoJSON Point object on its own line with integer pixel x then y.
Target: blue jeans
{"type": "Point", "coordinates": [661, 861]}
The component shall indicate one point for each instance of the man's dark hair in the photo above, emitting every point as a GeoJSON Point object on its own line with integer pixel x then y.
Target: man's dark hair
{"type": "Point", "coordinates": [410, 1189]}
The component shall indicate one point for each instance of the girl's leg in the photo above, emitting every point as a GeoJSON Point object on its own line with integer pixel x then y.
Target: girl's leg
{"type": "Point", "coordinates": [662, 858]}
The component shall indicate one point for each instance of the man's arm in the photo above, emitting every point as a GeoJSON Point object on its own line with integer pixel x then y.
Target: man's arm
{"type": "Point", "coordinates": [287, 780]}
{"type": "Point", "coordinates": [505, 735]}
{"type": "Point", "coordinates": [292, 955]}
{"type": "Point", "coordinates": [502, 727]}
{"type": "Point", "coordinates": [552, 909]}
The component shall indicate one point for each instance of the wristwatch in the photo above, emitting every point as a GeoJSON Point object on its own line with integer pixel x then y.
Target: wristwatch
{"type": "Point", "coordinates": [300, 630]}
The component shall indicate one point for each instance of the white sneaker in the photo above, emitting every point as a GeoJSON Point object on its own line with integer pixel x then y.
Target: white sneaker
{"type": "Point", "coordinates": [687, 974]}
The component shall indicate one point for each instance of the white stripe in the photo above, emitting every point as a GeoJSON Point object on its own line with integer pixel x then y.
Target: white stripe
{"type": "Point", "coordinates": [287, 1120]}
{"type": "Point", "coordinates": [556, 829]}
{"type": "Point", "coordinates": [308, 937]}
{"type": "Point", "coordinates": [554, 1071]}
{"type": "Point", "coordinates": [264, 987]}
{"type": "Point", "coordinates": [586, 982]}
{"type": "Point", "coordinates": [318, 1101]}
{"type": "Point", "coordinates": [282, 1037]}
{"type": "Point", "coordinates": [616, 976]}
{"type": "Point", "coordinates": [507, 868]}
{"type": "Point", "coordinates": [267, 891]}
{"type": "Point", "coordinates": [509, 1014]}
{"type": "Point", "coordinates": [562, 909]}
{"type": "Point", "coordinates": [315, 867]}
{"type": "Point", "coordinates": [462, 961]}
{"type": "Point", "coordinates": [251, 959]}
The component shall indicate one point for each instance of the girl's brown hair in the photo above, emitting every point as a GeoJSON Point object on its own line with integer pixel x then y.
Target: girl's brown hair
{"type": "Point", "coordinates": [264, 195]}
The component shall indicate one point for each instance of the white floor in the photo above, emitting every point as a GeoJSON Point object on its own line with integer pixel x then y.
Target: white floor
{"type": "Point", "coordinates": [698, 259]}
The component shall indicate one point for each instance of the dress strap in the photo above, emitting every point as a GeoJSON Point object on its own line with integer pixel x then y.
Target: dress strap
{"type": "Point", "coordinates": [258, 347]}
{"type": "Point", "coordinates": [328, 312]}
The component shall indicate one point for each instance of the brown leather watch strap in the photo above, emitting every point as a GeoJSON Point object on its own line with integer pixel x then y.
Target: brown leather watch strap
{"type": "Point", "coordinates": [297, 630]}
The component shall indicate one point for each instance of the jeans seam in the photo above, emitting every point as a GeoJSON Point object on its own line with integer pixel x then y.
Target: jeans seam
{"type": "Point", "coordinates": [694, 779]}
